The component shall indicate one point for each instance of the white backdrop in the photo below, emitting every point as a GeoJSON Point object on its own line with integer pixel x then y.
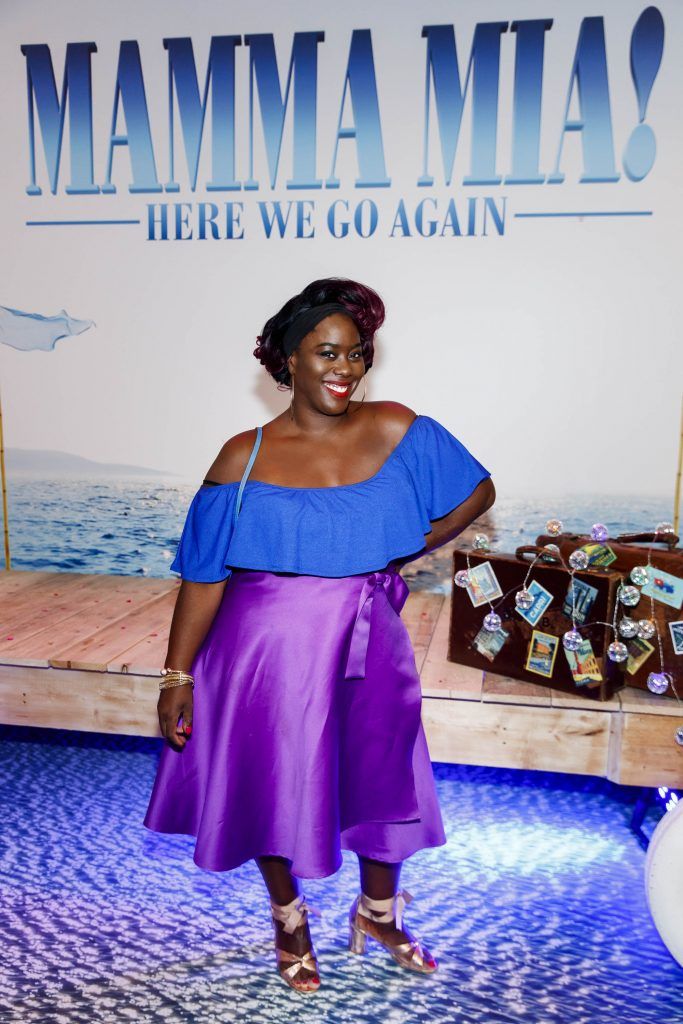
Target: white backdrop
{"type": "Point", "coordinates": [552, 350]}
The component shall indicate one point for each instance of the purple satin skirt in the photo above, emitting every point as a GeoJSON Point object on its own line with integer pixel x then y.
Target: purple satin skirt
{"type": "Point", "coordinates": [307, 737]}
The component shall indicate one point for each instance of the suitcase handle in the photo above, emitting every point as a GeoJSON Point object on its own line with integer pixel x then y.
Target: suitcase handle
{"type": "Point", "coordinates": [550, 556]}
{"type": "Point", "coordinates": [536, 549]}
{"type": "Point", "coordinates": [670, 539]}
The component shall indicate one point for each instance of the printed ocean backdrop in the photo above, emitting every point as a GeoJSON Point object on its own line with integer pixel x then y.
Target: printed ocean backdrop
{"type": "Point", "coordinates": [131, 526]}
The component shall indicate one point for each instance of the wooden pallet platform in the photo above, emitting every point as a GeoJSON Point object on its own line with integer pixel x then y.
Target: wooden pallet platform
{"type": "Point", "coordinates": [83, 652]}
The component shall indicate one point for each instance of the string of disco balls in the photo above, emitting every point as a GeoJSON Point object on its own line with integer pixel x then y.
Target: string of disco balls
{"type": "Point", "coordinates": [628, 595]}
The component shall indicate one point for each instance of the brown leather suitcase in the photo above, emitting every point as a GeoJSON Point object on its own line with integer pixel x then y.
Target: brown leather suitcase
{"type": "Point", "coordinates": [621, 555]}
{"type": "Point", "coordinates": [530, 645]}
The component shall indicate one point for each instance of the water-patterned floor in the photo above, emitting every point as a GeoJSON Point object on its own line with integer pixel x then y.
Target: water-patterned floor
{"type": "Point", "coordinates": [536, 907]}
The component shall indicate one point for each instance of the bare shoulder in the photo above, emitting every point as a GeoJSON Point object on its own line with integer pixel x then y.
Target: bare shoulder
{"type": "Point", "coordinates": [229, 464]}
{"type": "Point", "coordinates": [393, 419]}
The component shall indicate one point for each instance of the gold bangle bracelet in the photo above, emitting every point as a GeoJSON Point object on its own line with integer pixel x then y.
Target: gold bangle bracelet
{"type": "Point", "coordinates": [176, 682]}
{"type": "Point", "coordinates": [175, 677]}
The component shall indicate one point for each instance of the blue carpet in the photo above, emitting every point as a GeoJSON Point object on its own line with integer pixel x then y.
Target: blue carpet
{"type": "Point", "coordinates": [535, 908]}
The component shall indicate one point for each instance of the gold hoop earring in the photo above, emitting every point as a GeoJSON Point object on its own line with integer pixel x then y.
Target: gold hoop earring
{"type": "Point", "coordinates": [291, 411]}
{"type": "Point", "coordinates": [365, 389]}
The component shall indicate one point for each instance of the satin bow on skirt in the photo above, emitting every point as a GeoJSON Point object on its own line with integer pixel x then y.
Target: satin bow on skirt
{"type": "Point", "coordinates": [307, 737]}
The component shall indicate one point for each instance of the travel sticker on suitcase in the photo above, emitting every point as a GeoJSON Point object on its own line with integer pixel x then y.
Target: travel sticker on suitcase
{"type": "Point", "coordinates": [599, 554]}
{"type": "Point", "coordinates": [542, 598]}
{"type": "Point", "coordinates": [582, 596]}
{"type": "Point", "coordinates": [664, 587]}
{"type": "Point", "coordinates": [489, 644]}
{"type": "Point", "coordinates": [484, 585]}
{"type": "Point", "coordinates": [542, 653]}
{"type": "Point", "coordinates": [583, 664]}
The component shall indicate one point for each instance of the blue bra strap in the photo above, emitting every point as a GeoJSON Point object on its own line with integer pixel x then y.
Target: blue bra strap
{"type": "Point", "coordinates": [254, 450]}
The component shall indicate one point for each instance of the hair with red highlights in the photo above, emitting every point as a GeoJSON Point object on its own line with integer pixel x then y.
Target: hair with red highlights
{"type": "Point", "coordinates": [364, 306]}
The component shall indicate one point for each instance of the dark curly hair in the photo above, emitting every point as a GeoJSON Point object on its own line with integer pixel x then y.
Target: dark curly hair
{"type": "Point", "coordinates": [364, 306]}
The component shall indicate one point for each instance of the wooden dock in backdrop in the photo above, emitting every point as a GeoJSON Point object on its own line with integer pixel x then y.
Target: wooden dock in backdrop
{"type": "Point", "coordinates": [83, 652]}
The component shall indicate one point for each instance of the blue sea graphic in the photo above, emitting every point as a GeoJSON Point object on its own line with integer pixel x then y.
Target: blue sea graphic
{"type": "Point", "coordinates": [131, 527]}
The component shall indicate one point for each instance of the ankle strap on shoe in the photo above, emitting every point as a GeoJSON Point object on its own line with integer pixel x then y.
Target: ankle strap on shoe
{"type": "Point", "coordinates": [293, 914]}
{"type": "Point", "coordinates": [386, 910]}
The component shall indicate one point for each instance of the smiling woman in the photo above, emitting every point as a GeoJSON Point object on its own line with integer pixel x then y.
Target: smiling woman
{"type": "Point", "coordinates": [284, 331]}
{"type": "Point", "coordinates": [292, 670]}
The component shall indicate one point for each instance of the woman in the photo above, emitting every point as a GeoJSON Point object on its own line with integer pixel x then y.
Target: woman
{"type": "Point", "coordinates": [288, 664]}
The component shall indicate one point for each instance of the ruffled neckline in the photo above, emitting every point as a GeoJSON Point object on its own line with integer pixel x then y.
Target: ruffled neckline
{"type": "Point", "coordinates": [333, 487]}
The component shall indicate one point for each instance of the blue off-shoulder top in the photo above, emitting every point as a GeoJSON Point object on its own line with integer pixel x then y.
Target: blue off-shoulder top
{"type": "Point", "coordinates": [330, 531]}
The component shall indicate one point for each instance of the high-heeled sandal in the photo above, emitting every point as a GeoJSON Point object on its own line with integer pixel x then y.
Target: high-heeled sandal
{"type": "Point", "coordinates": [364, 911]}
{"type": "Point", "coordinates": [292, 915]}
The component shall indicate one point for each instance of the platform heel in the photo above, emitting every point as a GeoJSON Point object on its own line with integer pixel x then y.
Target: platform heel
{"type": "Point", "coordinates": [357, 939]}
{"type": "Point", "coordinates": [365, 912]}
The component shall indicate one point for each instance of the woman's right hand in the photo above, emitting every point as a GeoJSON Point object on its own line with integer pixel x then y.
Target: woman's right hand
{"type": "Point", "coordinates": [176, 702]}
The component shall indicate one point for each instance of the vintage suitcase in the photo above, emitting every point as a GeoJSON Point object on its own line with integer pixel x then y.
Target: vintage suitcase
{"type": "Point", "coordinates": [661, 602]}
{"type": "Point", "coordinates": [529, 645]}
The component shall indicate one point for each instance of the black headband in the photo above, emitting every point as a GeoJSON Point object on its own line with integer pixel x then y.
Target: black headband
{"type": "Point", "coordinates": [304, 322]}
